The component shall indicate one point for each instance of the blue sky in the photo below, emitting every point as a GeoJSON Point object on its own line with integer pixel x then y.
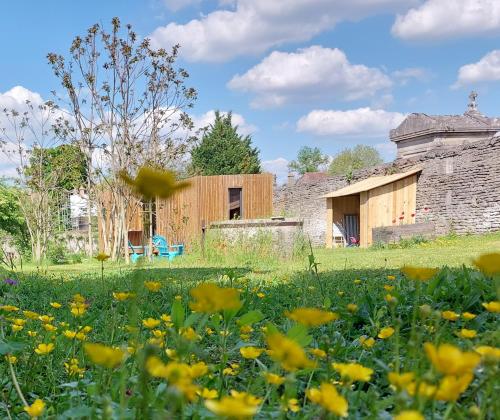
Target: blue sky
{"type": "Point", "coordinates": [326, 73]}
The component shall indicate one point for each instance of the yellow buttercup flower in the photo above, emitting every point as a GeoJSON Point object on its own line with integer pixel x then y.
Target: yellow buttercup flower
{"type": "Point", "coordinates": [32, 333]}
{"type": "Point", "coordinates": [274, 379]}
{"type": "Point", "coordinates": [208, 394]}
{"type": "Point", "coordinates": [409, 415]}
{"type": "Point", "coordinates": [385, 332]}
{"type": "Point", "coordinates": [389, 298]}
{"type": "Point", "coordinates": [210, 298]}
{"type": "Point", "coordinates": [400, 381]}
{"type": "Point", "coordinates": [261, 295]}
{"type": "Point", "coordinates": [55, 305]}
{"type": "Point", "coordinates": [311, 317]}
{"type": "Point", "coordinates": [251, 352]}
{"type": "Point", "coordinates": [11, 358]}
{"type": "Point", "coordinates": [189, 334]}
{"type": "Point", "coordinates": [450, 360]}
{"type": "Point", "coordinates": [488, 263]}
{"type": "Point", "coordinates": [493, 306]}
{"type": "Point", "coordinates": [36, 409]}
{"type": "Point", "coordinates": [352, 307]}
{"type": "Point", "coordinates": [78, 309]}
{"type": "Point", "coordinates": [109, 357]}
{"type": "Point", "coordinates": [238, 405]}
{"type": "Point", "coordinates": [468, 316]}
{"type": "Point", "coordinates": [74, 334]}
{"type": "Point", "coordinates": [391, 278]}
{"type": "Point", "coordinates": [293, 405]}
{"type": "Point", "coordinates": [9, 308]}
{"type": "Point", "coordinates": [488, 352]}
{"type": "Point", "coordinates": [388, 287]}
{"type": "Point", "coordinates": [419, 273]}
{"type": "Point", "coordinates": [150, 183]}
{"type": "Point", "coordinates": [151, 323]}
{"type": "Point", "coordinates": [31, 314]}
{"type": "Point", "coordinates": [366, 342]}
{"type": "Point", "coordinates": [16, 328]}
{"type": "Point", "coordinates": [121, 296]}
{"type": "Point", "coordinates": [353, 371]}
{"type": "Point", "coordinates": [320, 354]}
{"type": "Point", "coordinates": [450, 315]}
{"type": "Point", "coordinates": [101, 257]}
{"type": "Point", "coordinates": [451, 387]}
{"type": "Point", "coordinates": [422, 388]}
{"type": "Point", "coordinates": [288, 352]}
{"type": "Point", "coordinates": [44, 348]}
{"type": "Point", "coordinates": [357, 281]}
{"type": "Point", "coordinates": [46, 319]}
{"type": "Point", "coordinates": [152, 286]}
{"type": "Point", "coordinates": [465, 333]}
{"type": "Point", "coordinates": [327, 397]}
{"type": "Point", "coordinates": [49, 327]}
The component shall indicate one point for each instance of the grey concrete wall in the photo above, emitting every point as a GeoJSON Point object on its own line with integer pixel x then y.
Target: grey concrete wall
{"type": "Point", "coordinates": [459, 187]}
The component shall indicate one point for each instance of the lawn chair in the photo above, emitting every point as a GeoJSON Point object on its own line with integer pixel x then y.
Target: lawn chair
{"type": "Point", "coordinates": [136, 248]}
{"type": "Point", "coordinates": [165, 250]}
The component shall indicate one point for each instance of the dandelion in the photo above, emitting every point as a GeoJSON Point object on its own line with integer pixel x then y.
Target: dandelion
{"type": "Point", "coordinates": [465, 333]}
{"type": "Point", "coordinates": [311, 317]}
{"type": "Point", "coordinates": [151, 323]}
{"type": "Point", "coordinates": [109, 357]}
{"type": "Point", "coordinates": [489, 264]}
{"type": "Point", "coordinates": [450, 315]}
{"type": "Point", "coordinates": [43, 348]}
{"type": "Point", "coordinates": [353, 371]}
{"type": "Point", "coordinates": [385, 332]}
{"type": "Point", "coordinates": [493, 306]}
{"type": "Point", "coordinates": [409, 415]}
{"type": "Point", "coordinates": [152, 286]}
{"type": "Point", "coordinates": [210, 298]}
{"type": "Point", "coordinates": [36, 409]}
{"type": "Point", "coordinates": [288, 352]}
{"type": "Point", "coordinates": [238, 405]}
{"type": "Point", "coordinates": [273, 379]}
{"type": "Point", "coordinates": [328, 397]}
{"type": "Point", "coordinates": [419, 273]}
{"type": "Point", "coordinates": [450, 360]}
{"type": "Point", "coordinates": [251, 352]}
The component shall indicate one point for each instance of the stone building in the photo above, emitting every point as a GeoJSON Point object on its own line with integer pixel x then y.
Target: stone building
{"type": "Point", "coordinates": [458, 188]}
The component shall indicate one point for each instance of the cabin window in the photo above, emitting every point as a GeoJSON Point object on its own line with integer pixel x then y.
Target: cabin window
{"type": "Point", "coordinates": [235, 203]}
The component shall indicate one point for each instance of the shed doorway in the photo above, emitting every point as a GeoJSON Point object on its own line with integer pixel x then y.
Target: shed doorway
{"type": "Point", "coordinates": [235, 203]}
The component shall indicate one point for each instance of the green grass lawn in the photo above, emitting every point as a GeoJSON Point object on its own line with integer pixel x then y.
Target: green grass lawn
{"type": "Point", "coordinates": [450, 251]}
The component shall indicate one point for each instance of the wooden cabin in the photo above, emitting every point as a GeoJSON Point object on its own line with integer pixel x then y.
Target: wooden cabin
{"type": "Point", "coordinates": [213, 198]}
{"type": "Point", "coordinates": [353, 211]}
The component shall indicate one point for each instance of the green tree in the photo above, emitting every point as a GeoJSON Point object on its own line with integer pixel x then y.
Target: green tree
{"type": "Point", "coordinates": [67, 161]}
{"type": "Point", "coordinates": [350, 160]}
{"type": "Point", "coordinates": [309, 159]}
{"type": "Point", "coordinates": [222, 151]}
{"type": "Point", "coordinates": [12, 221]}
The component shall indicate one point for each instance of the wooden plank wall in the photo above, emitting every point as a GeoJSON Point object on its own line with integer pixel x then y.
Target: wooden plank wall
{"type": "Point", "coordinates": [385, 204]}
{"type": "Point", "coordinates": [207, 200]}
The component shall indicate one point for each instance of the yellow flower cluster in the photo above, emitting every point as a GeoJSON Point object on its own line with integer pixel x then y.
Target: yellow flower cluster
{"type": "Point", "coordinates": [311, 317]}
{"type": "Point", "coordinates": [210, 298]}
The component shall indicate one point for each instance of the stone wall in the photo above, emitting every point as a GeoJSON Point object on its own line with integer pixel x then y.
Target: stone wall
{"type": "Point", "coordinates": [458, 190]}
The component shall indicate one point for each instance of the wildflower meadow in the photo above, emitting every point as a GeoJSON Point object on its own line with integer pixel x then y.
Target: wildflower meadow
{"type": "Point", "coordinates": [413, 343]}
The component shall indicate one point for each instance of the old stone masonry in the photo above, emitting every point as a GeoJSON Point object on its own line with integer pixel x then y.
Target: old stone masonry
{"type": "Point", "coordinates": [458, 189]}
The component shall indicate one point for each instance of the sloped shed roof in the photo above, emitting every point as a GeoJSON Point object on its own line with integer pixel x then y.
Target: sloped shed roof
{"type": "Point", "coordinates": [370, 183]}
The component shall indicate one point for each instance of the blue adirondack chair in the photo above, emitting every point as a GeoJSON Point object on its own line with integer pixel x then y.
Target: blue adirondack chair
{"type": "Point", "coordinates": [138, 251]}
{"type": "Point", "coordinates": [165, 250]}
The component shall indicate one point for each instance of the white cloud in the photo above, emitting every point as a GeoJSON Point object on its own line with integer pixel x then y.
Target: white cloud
{"type": "Point", "coordinates": [364, 122]}
{"type": "Point", "coordinates": [204, 120]}
{"type": "Point", "coordinates": [487, 69]}
{"type": "Point", "coordinates": [388, 150]}
{"type": "Point", "coordinates": [308, 74]}
{"type": "Point", "coordinates": [278, 167]}
{"type": "Point", "coordinates": [255, 26]}
{"type": "Point", "coordinates": [449, 19]}
{"type": "Point", "coordinates": [411, 73]}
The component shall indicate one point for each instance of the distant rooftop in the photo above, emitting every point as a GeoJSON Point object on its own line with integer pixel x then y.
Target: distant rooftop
{"type": "Point", "coordinates": [419, 124]}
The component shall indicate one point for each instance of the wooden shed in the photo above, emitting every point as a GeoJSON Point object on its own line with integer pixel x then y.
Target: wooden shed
{"type": "Point", "coordinates": [353, 211]}
{"type": "Point", "coordinates": [213, 198]}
